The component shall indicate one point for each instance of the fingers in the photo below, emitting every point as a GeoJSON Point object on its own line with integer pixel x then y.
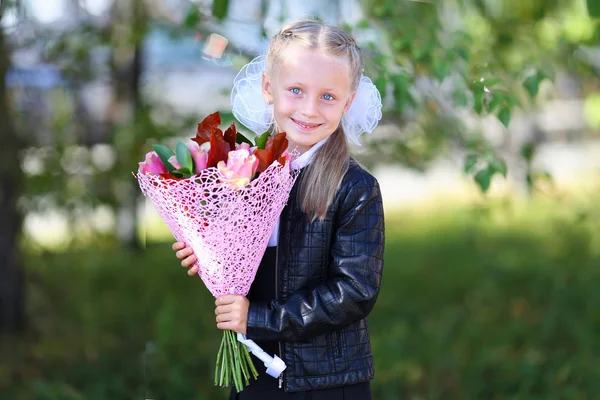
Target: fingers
{"type": "Point", "coordinates": [232, 320]}
{"type": "Point", "coordinates": [193, 271]}
{"type": "Point", "coordinates": [226, 299]}
{"type": "Point", "coordinates": [183, 253]}
{"type": "Point", "coordinates": [178, 246]}
{"type": "Point", "coordinates": [187, 257]}
{"type": "Point", "coordinates": [189, 261]}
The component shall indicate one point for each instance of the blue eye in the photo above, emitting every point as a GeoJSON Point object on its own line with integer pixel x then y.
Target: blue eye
{"type": "Point", "coordinates": [328, 97]}
{"type": "Point", "coordinates": [296, 90]}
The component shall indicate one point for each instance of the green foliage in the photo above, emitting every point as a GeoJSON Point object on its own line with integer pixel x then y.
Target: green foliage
{"type": "Point", "coordinates": [487, 57]}
{"type": "Point", "coordinates": [261, 141]}
{"type": "Point", "coordinates": [593, 7]}
{"type": "Point", "coordinates": [220, 8]}
{"type": "Point", "coordinates": [184, 158]}
{"type": "Point", "coordinates": [494, 303]}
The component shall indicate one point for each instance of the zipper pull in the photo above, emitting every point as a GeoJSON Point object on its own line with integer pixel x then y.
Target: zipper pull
{"type": "Point", "coordinates": [280, 381]}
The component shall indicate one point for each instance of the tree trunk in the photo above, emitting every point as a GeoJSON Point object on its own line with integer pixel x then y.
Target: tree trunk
{"type": "Point", "coordinates": [12, 285]}
{"type": "Point", "coordinates": [127, 70]}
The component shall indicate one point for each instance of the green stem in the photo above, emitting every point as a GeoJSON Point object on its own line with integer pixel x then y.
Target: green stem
{"type": "Point", "coordinates": [250, 362]}
{"type": "Point", "coordinates": [231, 362]}
{"type": "Point", "coordinates": [243, 363]}
{"type": "Point", "coordinates": [219, 364]}
{"type": "Point", "coordinates": [237, 371]}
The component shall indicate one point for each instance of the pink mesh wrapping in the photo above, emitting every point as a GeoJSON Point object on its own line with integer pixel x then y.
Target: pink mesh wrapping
{"type": "Point", "coordinates": [227, 228]}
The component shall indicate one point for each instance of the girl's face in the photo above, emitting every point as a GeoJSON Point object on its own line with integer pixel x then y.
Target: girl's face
{"type": "Point", "coordinates": [310, 91]}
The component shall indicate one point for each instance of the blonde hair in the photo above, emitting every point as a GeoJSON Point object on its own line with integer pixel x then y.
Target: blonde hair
{"type": "Point", "coordinates": [323, 176]}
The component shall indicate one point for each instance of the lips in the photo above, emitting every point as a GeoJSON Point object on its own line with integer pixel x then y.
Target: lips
{"type": "Point", "coordinates": [305, 126]}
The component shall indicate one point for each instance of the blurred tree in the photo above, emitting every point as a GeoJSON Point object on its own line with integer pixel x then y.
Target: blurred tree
{"type": "Point", "coordinates": [12, 297]}
{"type": "Point", "coordinates": [440, 61]}
{"type": "Point", "coordinates": [127, 31]}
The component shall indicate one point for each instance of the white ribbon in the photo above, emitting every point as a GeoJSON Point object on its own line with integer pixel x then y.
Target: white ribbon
{"type": "Point", "coordinates": [274, 365]}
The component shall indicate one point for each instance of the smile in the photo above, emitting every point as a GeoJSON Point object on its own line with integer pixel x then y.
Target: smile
{"type": "Point", "coordinates": [305, 126]}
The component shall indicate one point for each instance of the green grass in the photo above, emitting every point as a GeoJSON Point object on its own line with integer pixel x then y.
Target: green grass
{"type": "Point", "coordinates": [475, 304]}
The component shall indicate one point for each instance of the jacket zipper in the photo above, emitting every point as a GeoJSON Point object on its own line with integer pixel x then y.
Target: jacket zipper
{"type": "Point", "coordinates": [277, 291]}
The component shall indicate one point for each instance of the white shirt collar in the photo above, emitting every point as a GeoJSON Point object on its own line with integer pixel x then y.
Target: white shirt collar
{"type": "Point", "coordinates": [305, 158]}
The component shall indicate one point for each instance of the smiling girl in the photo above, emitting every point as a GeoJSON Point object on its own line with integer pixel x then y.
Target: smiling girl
{"type": "Point", "coordinates": [320, 276]}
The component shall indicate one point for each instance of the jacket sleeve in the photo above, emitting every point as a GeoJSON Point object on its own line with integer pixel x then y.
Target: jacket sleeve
{"type": "Point", "coordinates": [355, 272]}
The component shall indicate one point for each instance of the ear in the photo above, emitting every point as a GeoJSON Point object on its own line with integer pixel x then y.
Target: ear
{"type": "Point", "coordinates": [349, 102]}
{"type": "Point", "coordinates": [267, 88]}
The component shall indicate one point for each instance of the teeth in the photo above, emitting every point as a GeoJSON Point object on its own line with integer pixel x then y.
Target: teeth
{"type": "Point", "coordinates": [305, 126]}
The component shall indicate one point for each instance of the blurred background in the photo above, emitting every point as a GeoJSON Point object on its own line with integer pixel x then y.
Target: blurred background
{"type": "Point", "coordinates": [488, 156]}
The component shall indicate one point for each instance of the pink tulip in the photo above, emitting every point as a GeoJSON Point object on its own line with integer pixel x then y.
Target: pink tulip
{"type": "Point", "coordinates": [152, 165]}
{"type": "Point", "coordinates": [240, 167]}
{"type": "Point", "coordinates": [173, 161]}
{"type": "Point", "coordinates": [245, 146]}
{"type": "Point", "coordinates": [199, 154]}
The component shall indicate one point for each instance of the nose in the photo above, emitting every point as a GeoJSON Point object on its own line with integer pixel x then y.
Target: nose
{"type": "Point", "coordinates": [310, 107]}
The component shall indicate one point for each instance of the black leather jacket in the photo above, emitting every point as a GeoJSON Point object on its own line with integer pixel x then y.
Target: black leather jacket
{"type": "Point", "coordinates": [328, 278]}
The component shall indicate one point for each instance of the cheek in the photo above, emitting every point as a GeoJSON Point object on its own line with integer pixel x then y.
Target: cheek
{"type": "Point", "coordinates": [283, 106]}
{"type": "Point", "coordinates": [334, 114]}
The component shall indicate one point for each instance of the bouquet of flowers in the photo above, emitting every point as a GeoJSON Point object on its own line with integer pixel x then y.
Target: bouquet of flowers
{"type": "Point", "coordinates": [221, 194]}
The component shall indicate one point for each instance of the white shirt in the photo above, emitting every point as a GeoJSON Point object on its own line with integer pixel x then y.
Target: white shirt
{"type": "Point", "coordinates": [302, 161]}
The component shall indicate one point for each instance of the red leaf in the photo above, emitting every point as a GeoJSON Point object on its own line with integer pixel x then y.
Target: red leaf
{"type": "Point", "coordinates": [218, 149]}
{"type": "Point", "coordinates": [263, 159]}
{"type": "Point", "coordinates": [231, 135]}
{"type": "Point", "coordinates": [279, 145]}
{"type": "Point", "coordinates": [273, 150]}
{"type": "Point", "coordinates": [169, 176]}
{"type": "Point", "coordinates": [207, 127]}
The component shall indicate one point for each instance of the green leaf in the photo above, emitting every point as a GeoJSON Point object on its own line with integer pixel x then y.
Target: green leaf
{"type": "Point", "coordinates": [164, 153]}
{"type": "Point", "coordinates": [184, 157]}
{"type": "Point", "coordinates": [470, 162]}
{"type": "Point", "coordinates": [182, 172]}
{"type": "Point", "coordinates": [497, 99]}
{"type": "Point", "coordinates": [532, 85]}
{"type": "Point", "coordinates": [459, 98]}
{"type": "Point", "coordinates": [363, 24]}
{"type": "Point", "coordinates": [381, 84]}
{"type": "Point", "coordinates": [504, 116]}
{"type": "Point", "coordinates": [192, 18]}
{"type": "Point", "coordinates": [220, 8]}
{"type": "Point", "coordinates": [463, 53]}
{"type": "Point", "coordinates": [489, 82]}
{"type": "Point", "coordinates": [593, 7]}
{"type": "Point", "coordinates": [483, 179]}
{"type": "Point", "coordinates": [478, 101]}
{"type": "Point", "coordinates": [498, 165]}
{"type": "Point", "coordinates": [527, 151]}
{"type": "Point", "coordinates": [261, 141]}
{"type": "Point", "coordinates": [240, 138]}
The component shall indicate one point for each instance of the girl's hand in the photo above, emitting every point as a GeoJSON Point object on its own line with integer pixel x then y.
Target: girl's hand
{"type": "Point", "coordinates": [232, 313]}
{"type": "Point", "coordinates": [187, 257]}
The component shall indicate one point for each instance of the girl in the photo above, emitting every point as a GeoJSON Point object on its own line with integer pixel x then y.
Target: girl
{"type": "Point", "coordinates": [320, 276]}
